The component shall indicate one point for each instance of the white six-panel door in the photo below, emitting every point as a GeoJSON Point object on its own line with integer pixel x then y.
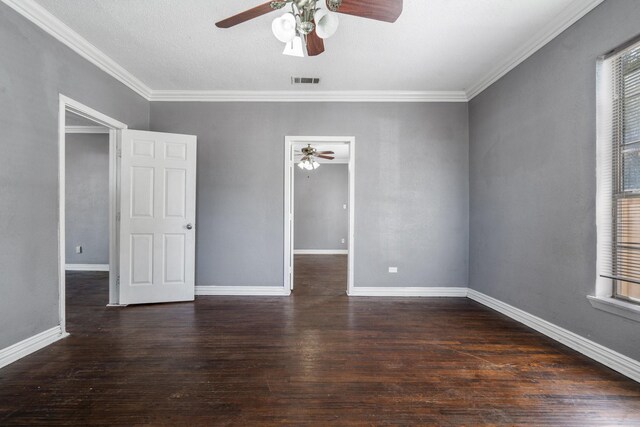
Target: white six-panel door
{"type": "Point", "coordinates": [157, 217]}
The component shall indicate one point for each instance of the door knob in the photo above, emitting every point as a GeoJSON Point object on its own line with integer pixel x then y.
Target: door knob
{"type": "Point", "coordinates": [189, 226]}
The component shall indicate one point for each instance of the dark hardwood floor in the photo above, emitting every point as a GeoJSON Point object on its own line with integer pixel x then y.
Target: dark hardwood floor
{"type": "Point", "coordinates": [316, 358]}
{"type": "Point", "coordinates": [319, 275]}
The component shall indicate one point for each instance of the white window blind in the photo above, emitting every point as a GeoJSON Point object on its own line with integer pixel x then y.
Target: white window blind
{"type": "Point", "coordinates": [619, 172]}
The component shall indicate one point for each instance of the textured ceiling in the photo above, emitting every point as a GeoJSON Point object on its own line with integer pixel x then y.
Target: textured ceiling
{"type": "Point", "coordinates": [436, 45]}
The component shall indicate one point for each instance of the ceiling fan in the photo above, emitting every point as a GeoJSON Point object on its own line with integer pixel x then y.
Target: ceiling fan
{"type": "Point", "coordinates": [308, 20]}
{"type": "Point", "coordinates": [308, 161]}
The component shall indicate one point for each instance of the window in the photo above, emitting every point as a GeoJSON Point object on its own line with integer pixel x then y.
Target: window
{"type": "Point", "coordinates": [619, 173]}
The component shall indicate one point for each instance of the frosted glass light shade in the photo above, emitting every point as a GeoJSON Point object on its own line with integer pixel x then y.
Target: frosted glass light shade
{"type": "Point", "coordinates": [326, 23]}
{"type": "Point", "coordinates": [284, 27]}
{"type": "Point", "coordinates": [294, 47]}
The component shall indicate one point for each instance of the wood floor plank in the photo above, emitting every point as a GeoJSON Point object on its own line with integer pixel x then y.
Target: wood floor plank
{"type": "Point", "coordinates": [315, 358]}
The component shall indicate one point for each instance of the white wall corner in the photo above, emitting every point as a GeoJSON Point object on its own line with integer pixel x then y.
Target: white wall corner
{"type": "Point", "coordinates": [608, 357]}
{"type": "Point", "coordinates": [25, 347]}
{"type": "Point", "coordinates": [242, 290]}
{"type": "Point", "coordinates": [407, 291]}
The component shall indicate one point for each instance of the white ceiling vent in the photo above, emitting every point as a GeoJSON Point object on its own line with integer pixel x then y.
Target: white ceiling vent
{"type": "Point", "coordinates": [305, 80]}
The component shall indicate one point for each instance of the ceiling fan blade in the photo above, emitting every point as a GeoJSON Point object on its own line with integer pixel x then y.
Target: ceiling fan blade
{"type": "Point", "coordinates": [325, 152]}
{"type": "Point", "coordinates": [380, 10]}
{"type": "Point", "coordinates": [245, 16]}
{"type": "Point", "coordinates": [325, 157]}
{"type": "Point", "coordinates": [315, 45]}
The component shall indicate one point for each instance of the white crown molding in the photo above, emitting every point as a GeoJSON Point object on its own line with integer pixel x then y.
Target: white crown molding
{"type": "Point", "coordinates": [243, 290]}
{"type": "Point", "coordinates": [60, 31]}
{"type": "Point", "coordinates": [320, 251]}
{"type": "Point", "coordinates": [306, 96]}
{"type": "Point", "coordinates": [614, 360]}
{"type": "Point", "coordinates": [564, 20]}
{"type": "Point", "coordinates": [388, 291]}
{"type": "Point", "coordinates": [25, 347]}
{"type": "Point", "coordinates": [86, 267]}
{"type": "Point", "coordinates": [85, 129]}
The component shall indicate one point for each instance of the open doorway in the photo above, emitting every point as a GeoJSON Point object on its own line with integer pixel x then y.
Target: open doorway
{"type": "Point", "coordinates": [87, 162]}
{"type": "Point", "coordinates": [87, 214]}
{"type": "Point", "coordinates": [319, 206]}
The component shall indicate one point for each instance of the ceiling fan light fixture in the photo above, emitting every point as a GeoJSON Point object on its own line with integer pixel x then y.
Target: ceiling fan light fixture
{"type": "Point", "coordinates": [284, 27]}
{"type": "Point", "coordinates": [326, 23]}
{"type": "Point", "coordinates": [308, 17]}
{"type": "Point", "coordinates": [294, 47]}
{"type": "Point", "coordinates": [306, 163]}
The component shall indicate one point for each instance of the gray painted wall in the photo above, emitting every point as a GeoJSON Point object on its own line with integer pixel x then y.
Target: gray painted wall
{"type": "Point", "coordinates": [533, 181]}
{"type": "Point", "coordinates": [411, 180]}
{"type": "Point", "coordinates": [87, 198]}
{"type": "Point", "coordinates": [321, 222]}
{"type": "Point", "coordinates": [34, 69]}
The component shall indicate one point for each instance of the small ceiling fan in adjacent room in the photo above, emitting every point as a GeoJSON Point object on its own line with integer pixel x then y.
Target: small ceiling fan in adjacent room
{"type": "Point", "coordinates": [308, 157]}
{"type": "Point", "coordinates": [308, 21]}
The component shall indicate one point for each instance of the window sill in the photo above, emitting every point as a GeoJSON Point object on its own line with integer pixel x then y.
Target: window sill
{"type": "Point", "coordinates": [616, 306]}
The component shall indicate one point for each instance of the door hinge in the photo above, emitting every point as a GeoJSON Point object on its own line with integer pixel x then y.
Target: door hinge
{"type": "Point", "coordinates": [119, 152]}
{"type": "Point", "coordinates": [118, 280]}
{"type": "Point", "coordinates": [118, 216]}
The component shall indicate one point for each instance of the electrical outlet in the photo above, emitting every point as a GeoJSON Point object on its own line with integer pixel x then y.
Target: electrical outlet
{"type": "Point", "coordinates": [344, 207]}
{"type": "Point", "coordinates": [342, 240]}
{"type": "Point", "coordinates": [79, 249]}
{"type": "Point", "coordinates": [393, 269]}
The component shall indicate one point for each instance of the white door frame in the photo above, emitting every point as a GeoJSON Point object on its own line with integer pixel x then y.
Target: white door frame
{"type": "Point", "coordinates": [289, 164]}
{"type": "Point", "coordinates": [68, 104]}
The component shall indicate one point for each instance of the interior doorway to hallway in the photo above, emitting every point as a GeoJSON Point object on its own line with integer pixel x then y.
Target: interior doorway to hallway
{"type": "Point", "coordinates": [87, 236]}
{"type": "Point", "coordinates": [319, 212]}
{"type": "Point", "coordinates": [75, 119]}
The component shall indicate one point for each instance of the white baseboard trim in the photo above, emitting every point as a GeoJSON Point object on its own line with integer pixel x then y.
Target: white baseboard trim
{"type": "Point", "coordinates": [243, 290]}
{"type": "Point", "coordinates": [25, 347]}
{"type": "Point", "coordinates": [86, 267]}
{"type": "Point", "coordinates": [320, 251]}
{"type": "Point", "coordinates": [614, 360]}
{"type": "Point", "coordinates": [371, 291]}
